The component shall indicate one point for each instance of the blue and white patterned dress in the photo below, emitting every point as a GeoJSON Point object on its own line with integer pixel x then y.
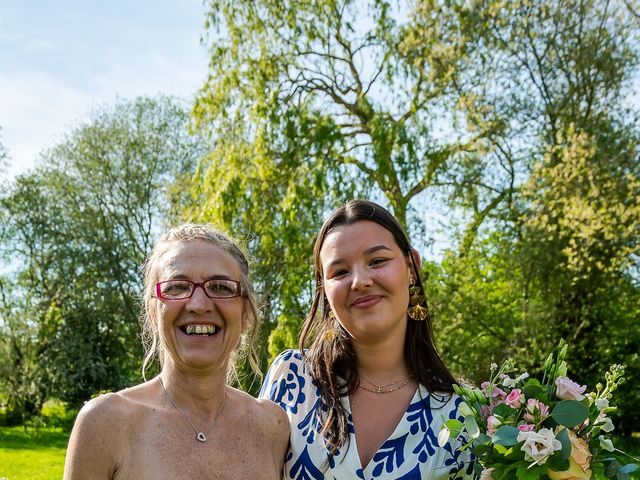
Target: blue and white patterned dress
{"type": "Point", "coordinates": [410, 453]}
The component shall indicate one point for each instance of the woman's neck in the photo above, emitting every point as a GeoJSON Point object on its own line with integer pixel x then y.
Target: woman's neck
{"type": "Point", "coordinates": [381, 363]}
{"type": "Point", "coordinates": [203, 392]}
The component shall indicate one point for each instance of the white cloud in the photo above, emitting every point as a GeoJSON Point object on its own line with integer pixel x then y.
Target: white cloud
{"type": "Point", "coordinates": [36, 111]}
{"type": "Point", "coordinates": [58, 63]}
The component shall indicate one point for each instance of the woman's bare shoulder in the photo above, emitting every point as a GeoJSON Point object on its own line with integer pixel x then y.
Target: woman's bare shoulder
{"type": "Point", "coordinates": [98, 414]}
{"type": "Point", "coordinates": [103, 407]}
{"type": "Point", "coordinates": [96, 438]}
{"type": "Point", "coordinates": [269, 415]}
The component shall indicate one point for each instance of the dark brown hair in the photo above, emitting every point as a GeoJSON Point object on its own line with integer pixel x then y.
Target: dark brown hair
{"type": "Point", "coordinates": [332, 363]}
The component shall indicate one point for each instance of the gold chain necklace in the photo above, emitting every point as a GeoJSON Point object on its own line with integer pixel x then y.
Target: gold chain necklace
{"type": "Point", "coordinates": [379, 389]}
{"type": "Point", "coordinates": [200, 436]}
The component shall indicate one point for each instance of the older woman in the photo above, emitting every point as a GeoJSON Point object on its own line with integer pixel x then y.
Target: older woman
{"type": "Point", "coordinates": [367, 399]}
{"type": "Point", "coordinates": [187, 422]}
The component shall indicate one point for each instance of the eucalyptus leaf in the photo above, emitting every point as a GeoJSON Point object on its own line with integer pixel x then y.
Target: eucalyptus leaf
{"type": "Point", "coordinates": [569, 413]}
{"type": "Point", "coordinates": [629, 468]}
{"type": "Point", "coordinates": [563, 437]}
{"type": "Point", "coordinates": [506, 436]}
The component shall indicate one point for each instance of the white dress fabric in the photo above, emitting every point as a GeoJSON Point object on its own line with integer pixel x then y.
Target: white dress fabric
{"type": "Point", "coordinates": [410, 453]}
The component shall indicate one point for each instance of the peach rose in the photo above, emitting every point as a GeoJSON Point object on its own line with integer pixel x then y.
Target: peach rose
{"type": "Point", "coordinates": [578, 462]}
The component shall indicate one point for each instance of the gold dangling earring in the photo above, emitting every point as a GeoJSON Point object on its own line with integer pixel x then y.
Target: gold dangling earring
{"type": "Point", "coordinates": [417, 309]}
{"type": "Point", "coordinates": [331, 333]}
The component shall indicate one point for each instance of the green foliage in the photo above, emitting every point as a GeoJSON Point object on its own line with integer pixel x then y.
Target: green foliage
{"type": "Point", "coordinates": [558, 258]}
{"type": "Point", "coordinates": [76, 230]}
{"type": "Point", "coordinates": [57, 414]}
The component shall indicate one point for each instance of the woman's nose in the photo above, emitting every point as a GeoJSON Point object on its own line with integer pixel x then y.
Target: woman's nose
{"type": "Point", "coordinates": [361, 278]}
{"type": "Point", "coordinates": [199, 302]}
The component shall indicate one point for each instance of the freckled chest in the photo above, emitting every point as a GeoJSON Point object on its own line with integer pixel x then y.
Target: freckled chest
{"type": "Point", "coordinates": [162, 445]}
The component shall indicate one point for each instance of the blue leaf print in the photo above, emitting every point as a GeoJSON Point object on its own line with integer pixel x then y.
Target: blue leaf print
{"type": "Point", "coordinates": [304, 469]}
{"type": "Point", "coordinates": [311, 424]}
{"type": "Point", "coordinates": [420, 416]}
{"type": "Point", "coordinates": [288, 391]}
{"type": "Point", "coordinates": [390, 455]}
{"type": "Point", "coordinates": [413, 474]}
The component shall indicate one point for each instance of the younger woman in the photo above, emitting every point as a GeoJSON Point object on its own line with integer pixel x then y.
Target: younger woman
{"type": "Point", "coordinates": [368, 397]}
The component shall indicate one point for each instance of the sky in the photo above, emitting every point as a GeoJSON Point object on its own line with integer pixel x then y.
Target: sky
{"type": "Point", "coordinates": [60, 59]}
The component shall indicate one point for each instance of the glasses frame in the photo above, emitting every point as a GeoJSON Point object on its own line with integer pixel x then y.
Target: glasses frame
{"type": "Point", "coordinates": [239, 290]}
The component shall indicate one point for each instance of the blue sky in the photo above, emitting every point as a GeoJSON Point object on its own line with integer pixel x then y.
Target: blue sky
{"type": "Point", "coordinates": [58, 59]}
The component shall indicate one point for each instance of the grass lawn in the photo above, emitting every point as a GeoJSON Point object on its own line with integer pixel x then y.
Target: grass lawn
{"type": "Point", "coordinates": [33, 455]}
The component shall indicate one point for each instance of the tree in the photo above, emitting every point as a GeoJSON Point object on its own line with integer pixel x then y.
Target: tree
{"type": "Point", "coordinates": [504, 111]}
{"type": "Point", "coordinates": [560, 257]}
{"type": "Point", "coordinates": [310, 103]}
{"type": "Point", "coordinates": [78, 227]}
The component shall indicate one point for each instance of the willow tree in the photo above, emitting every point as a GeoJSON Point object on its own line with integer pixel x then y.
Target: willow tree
{"type": "Point", "coordinates": [310, 102]}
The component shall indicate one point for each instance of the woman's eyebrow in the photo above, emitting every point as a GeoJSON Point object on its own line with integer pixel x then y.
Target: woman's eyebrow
{"type": "Point", "coordinates": [376, 248]}
{"type": "Point", "coordinates": [182, 276]}
{"type": "Point", "coordinates": [368, 251]}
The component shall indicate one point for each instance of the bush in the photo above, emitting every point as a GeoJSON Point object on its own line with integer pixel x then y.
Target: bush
{"type": "Point", "coordinates": [58, 414]}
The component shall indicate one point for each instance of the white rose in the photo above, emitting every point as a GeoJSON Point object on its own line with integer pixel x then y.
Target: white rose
{"type": "Point", "coordinates": [486, 474]}
{"type": "Point", "coordinates": [568, 389]}
{"type": "Point", "coordinates": [538, 446]}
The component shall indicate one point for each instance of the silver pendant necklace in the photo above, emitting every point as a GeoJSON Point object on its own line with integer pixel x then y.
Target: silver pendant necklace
{"type": "Point", "coordinates": [200, 436]}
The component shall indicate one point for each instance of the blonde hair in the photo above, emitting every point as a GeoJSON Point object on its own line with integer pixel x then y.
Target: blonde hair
{"type": "Point", "coordinates": [151, 274]}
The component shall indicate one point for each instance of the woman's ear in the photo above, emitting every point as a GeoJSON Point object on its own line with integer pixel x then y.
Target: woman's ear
{"type": "Point", "coordinates": [415, 256]}
{"type": "Point", "coordinates": [246, 312]}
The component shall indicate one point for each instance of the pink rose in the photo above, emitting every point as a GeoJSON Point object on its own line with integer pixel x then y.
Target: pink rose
{"type": "Point", "coordinates": [486, 474]}
{"type": "Point", "coordinates": [492, 424]}
{"type": "Point", "coordinates": [569, 390]}
{"type": "Point", "coordinates": [536, 411]}
{"type": "Point", "coordinates": [515, 398]}
{"type": "Point", "coordinates": [544, 410]}
{"type": "Point", "coordinates": [526, 427]}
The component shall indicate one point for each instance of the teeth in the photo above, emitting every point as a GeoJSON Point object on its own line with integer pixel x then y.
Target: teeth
{"type": "Point", "coordinates": [201, 329]}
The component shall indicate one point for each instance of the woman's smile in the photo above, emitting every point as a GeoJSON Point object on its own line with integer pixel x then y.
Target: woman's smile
{"type": "Point", "coordinates": [366, 301]}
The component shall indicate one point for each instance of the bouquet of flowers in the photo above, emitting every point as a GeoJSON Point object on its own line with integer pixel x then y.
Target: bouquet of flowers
{"type": "Point", "coordinates": [520, 427]}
